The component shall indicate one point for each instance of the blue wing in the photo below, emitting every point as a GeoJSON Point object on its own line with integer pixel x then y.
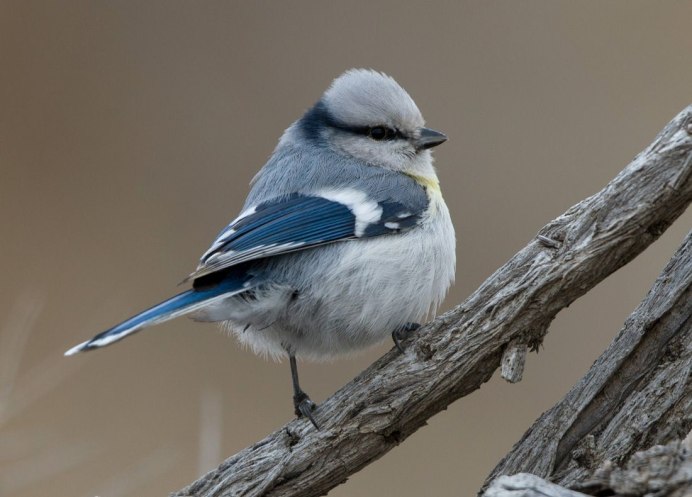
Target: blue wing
{"type": "Point", "coordinates": [300, 221]}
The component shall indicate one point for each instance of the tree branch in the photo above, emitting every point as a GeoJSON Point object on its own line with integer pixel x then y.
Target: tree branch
{"type": "Point", "coordinates": [638, 393]}
{"type": "Point", "coordinates": [662, 470]}
{"type": "Point", "coordinates": [454, 354]}
{"type": "Point", "coordinates": [527, 485]}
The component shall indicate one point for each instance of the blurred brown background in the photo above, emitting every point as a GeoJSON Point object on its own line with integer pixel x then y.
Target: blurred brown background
{"type": "Point", "coordinates": [129, 132]}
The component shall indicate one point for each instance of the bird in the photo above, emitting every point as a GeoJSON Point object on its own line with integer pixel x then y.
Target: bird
{"type": "Point", "coordinates": [343, 241]}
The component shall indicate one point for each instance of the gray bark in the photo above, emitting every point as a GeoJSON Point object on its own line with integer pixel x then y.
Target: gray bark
{"type": "Point", "coordinates": [637, 394]}
{"type": "Point", "coordinates": [527, 485]}
{"type": "Point", "coordinates": [457, 352]}
{"type": "Point", "coordinates": [662, 470]}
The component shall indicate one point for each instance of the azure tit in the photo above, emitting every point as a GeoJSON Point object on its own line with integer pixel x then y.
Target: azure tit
{"type": "Point", "coordinates": [343, 241]}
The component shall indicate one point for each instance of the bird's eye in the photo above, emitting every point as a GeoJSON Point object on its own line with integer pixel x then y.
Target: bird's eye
{"type": "Point", "coordinates": [380, 133]}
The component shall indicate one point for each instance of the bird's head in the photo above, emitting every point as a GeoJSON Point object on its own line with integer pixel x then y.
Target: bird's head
{"type": "Point", "coordinates": [366, 115]}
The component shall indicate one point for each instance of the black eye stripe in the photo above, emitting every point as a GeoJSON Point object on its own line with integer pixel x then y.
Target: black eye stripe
{"type": "Point", "coordinates": [377, 133]}
{"type": "Point", "coordinates": [318, 118]}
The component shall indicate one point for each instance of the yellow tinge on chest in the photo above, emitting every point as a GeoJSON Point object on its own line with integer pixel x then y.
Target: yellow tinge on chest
{"type": "Point", "coordinates": [432, 188]}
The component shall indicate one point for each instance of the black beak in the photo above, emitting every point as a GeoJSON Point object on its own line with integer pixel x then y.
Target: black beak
{"type": "Point", "coordinates": [429, 138]}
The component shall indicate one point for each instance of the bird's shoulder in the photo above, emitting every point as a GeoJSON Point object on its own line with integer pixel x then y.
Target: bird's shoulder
{"type": "Point", "coordinates": [312, 170]}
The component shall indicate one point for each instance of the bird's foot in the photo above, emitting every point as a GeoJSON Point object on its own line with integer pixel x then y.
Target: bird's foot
{"type": "Point", "coordinates": [401, 333]}
{"type": "Point", "coordinates": [304, 407]}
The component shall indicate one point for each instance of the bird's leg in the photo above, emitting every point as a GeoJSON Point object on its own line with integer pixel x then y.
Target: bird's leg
{"type": "Point", "coordinates": [402, 332]}
{"type": "Point", "coordinates": [301, 402]}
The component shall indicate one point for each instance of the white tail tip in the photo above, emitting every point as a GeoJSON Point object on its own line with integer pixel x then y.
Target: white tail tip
{"type": "Point", "coordinates": [76, 349]}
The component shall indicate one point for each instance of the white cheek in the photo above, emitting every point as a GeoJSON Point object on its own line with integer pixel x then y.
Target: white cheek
{"type": "Point", "coordinates": [394, 155]}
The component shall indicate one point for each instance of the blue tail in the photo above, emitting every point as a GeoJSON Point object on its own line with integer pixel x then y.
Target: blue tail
{"type": "Point", "coordinates": [181, 304]}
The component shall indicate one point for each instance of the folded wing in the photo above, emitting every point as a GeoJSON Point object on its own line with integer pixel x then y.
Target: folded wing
{"type": "Point", "coordinates": [300, 221]}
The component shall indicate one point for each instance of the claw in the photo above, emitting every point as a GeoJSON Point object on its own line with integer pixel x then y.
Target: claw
{"type": "Point", "coordinates": [401, 333]}
{"type": "Point", "coordinates": [304, 407]}
{"type": "Point", "coordinates": [397, 339]}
